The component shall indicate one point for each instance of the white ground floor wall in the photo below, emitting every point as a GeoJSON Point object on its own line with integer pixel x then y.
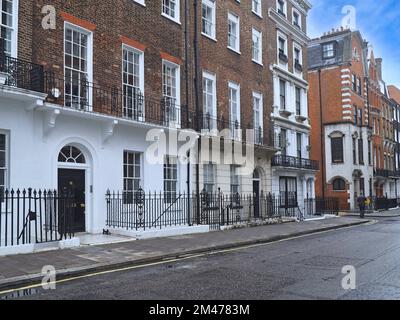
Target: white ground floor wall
{"type": "Point", "coordinates": [305, 183]}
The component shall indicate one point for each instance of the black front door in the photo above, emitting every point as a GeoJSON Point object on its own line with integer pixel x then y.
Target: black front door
{"type": "Point", "coordinates": [256, 193]}
{"type": "Point", "coordinates": [72, 182]}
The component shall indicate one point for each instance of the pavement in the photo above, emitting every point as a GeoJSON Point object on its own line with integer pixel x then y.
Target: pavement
{"type": "Point", "coordinates": [376, 214]}
{"type": "Point", "coordinates": [302, 268]}
{"type": "Point", "coordinates": [23, 270]}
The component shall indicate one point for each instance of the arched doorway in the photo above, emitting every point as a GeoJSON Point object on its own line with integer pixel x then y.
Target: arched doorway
{"type": "Point", "coordinates": [72, 172]}
{"type": "Point", "coordinates": [256, 192]}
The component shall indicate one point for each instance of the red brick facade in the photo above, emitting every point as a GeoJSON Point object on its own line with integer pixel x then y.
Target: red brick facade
{"type": "Point", "coordinates": [114, 23]}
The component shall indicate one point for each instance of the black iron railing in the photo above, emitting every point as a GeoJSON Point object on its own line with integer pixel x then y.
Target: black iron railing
{"type": "Point", "coordinates": [294, 162]}
{"type": "Point", "coordinates": [321, 206]}
{"type": "Point", "coordinates": [385, 203]}
{"type": "Point", "coordinates": [127, 103]}
{"type": "Point", "coordinates": [238, 131]}
{"type": "Point", "coordinates": [22, 74]}
{"type": "Point", "coordinates": [143, 211]}
{"type": "Point", "coordinates": [384, 173]}
{"type": "Point", "coordinates": [34, 216]}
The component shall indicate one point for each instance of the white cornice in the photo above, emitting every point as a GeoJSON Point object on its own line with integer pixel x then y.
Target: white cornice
{"type": "Point", "coordinates": [303, 5]}
{"type": "Point", "coordinates": [278, 71]}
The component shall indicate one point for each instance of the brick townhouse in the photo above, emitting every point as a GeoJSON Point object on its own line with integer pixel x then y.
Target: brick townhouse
{"type": "Point", "coordinates": [80, 99]}
{"type": "Point", "coordinates": [341, 136]}
{"type": "Point", "coordinates": [235, 54]}
{"type": "Point", "coordinates": [382, 131]}
{"type": "Point", "coordinates": [351, 119]}
{"type": "Point", "coordinates": [292, 170]}
{"type": "Point", "coordinates": [77, 102]}
{"type": "Point", "coordinates": [394, 95]}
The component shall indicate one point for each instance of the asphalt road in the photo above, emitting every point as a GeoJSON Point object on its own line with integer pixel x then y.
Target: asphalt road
{"type": "Point", "coordinates": [302, 268]}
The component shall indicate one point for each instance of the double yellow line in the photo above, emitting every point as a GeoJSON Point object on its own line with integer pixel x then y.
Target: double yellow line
{"type": "Point", "coordinates": [183, 258]}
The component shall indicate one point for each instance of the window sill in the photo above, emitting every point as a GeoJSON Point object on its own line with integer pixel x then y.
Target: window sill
{"type": "Point", "coordinates": [170, 18]}
{"type": "Point", "coordinates": [257, 14]}
{"type": "Point", "coordinates": [142, 3]}
{"type": "Point", "coordinates": [209, 37]}
{"type": "Point", "coordinates": [234, 50]}
{"type": "Point", "coordinates": [258, 62]}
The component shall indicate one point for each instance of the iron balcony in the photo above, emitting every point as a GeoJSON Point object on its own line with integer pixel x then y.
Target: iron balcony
{"type": "Point", "coordinates": [21, 74]}
{"type": "Point", "coordinates": [384, 173]}
{"type": "Point", "coordinates": [294, 162]}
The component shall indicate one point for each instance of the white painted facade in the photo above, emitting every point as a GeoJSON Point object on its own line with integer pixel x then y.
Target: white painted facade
{"type": "Point", "coordinates": [297, 130]}
{"type": "Point", "coordinates": [290, 104]}
{"type": "Point", "coordinates": [36, 132]}
{"type": "Point", "coordinates": [347, 170]}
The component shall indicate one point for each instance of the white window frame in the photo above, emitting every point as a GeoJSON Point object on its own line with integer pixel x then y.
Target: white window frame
{"type": "Point", "coordinates": [141, 71]}
{"type": "Point", "coordinates": [89, 58]}
{"type": "Point", "coordinates": [256, 33]}
{"type": "Point", "coordinates": [177, 88]}
{"type": "Point", "coordinates": [141, 63]}
{"type": "Point", "coordinates": [171, 165]}
{"type": "Point", "coordinates": [177, 18]}
{"type": "Point", "coordinates": [13, 28]}
{"type": "Point", "coordinates": [259, 11]}
{"type": "Point", "coordinates": [260, 97]}
{"type": "Point", "coordinates": [235, 179]}
{"type": "Point", "coordinates": [298, 47]}
{"type": "Point", "coordinates": [294, 10]}
{"type": "Point", "coordinates": [6, 168]}
{"type": "Point", "coordinates": [213, 114]}
{"type": "Point", "coordinates": [256, 126]}
{"type": "Point", "coordinates": [333, 50]}
{"type": "Point", "coordinates": [235, 19]}
{"type": "Point", "coordinates": [280, 94]}
{"type": "Point", "coordinates": [211, 4]}
{"type": "Point", "coordinates": [284, 37]}
{"type": "Point", "coordinates": [133, 178]}
{"type": "Point", "coordinates": [284, 6]}
{"type": "Point", "coordinates": [206, 181]}
{"type": "Point", "coordinates": [236, 87]}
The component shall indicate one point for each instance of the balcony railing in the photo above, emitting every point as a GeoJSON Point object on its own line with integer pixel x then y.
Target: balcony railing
{"type": "Point", "coordinates": [384, 173]}
{"type": "Point", "coordinates": [237, 130]}
{"type": "Point", "coordinates": [293, 162]}
{"type": "Point", "coordinates": [298, 66]}
{"type": "Point", "coordinates": [21, 74]}
{"type": "Point", "coordinates": [129, 103]}
{"type": "Point", "coordinates": [283, 57]}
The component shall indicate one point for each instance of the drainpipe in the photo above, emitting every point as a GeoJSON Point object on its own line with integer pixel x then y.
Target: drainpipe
{"type": "Point", "coordinates": [197, 100]}
{"type": "Point", "coordinates": [322, 135]}
{"type": "Point", "coordinates": [187, 17]}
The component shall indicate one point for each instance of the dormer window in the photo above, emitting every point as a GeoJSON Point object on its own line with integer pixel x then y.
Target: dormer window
{"type": "Point", "coordinates": [328, 50]}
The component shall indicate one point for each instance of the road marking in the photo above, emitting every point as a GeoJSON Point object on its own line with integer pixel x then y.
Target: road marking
{"type": "Point", "coordinates": [182, 258]}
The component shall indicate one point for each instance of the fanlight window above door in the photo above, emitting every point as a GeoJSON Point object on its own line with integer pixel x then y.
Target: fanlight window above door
{"type": "Point", "coordinates": [71, 154]}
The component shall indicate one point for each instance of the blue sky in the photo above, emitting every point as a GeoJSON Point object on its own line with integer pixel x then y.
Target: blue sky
{"type": "Point", "coordinates": [378, 21]}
